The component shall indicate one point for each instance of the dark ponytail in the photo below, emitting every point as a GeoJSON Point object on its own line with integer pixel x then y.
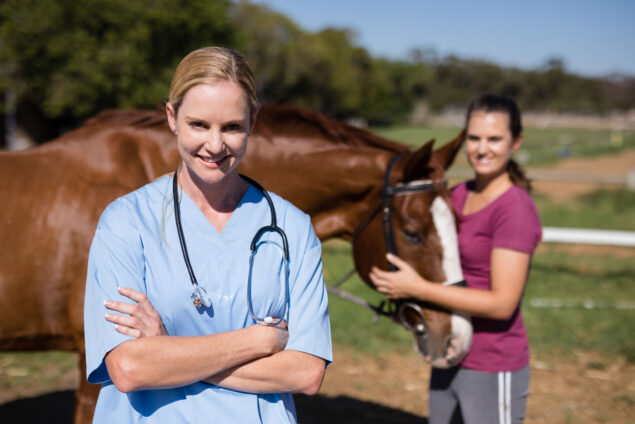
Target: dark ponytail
{"type": "Point", "coordinates": [504, 104]}
{"type": "Point", "coordinates": [518, 176]}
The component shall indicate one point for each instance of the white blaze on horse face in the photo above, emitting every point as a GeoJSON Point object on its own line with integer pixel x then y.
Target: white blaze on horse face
{"type": "Point", "coordinates": [446, 229]}
{"type": "Point", "coordinates": [461, 339]}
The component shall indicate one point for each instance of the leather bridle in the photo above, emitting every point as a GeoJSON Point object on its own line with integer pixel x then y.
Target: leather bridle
{"type": "Point", "coordinates": [390, 307]}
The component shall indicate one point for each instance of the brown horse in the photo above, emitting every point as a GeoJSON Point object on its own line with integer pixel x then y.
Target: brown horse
{"type": "Point", "coordinates": [53, 195]}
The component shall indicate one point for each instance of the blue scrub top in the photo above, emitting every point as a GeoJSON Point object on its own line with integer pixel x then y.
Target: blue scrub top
{"type": "Point", "coordinates": [136, 245]}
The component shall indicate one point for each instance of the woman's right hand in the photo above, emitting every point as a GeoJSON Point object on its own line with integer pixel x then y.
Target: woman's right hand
{"type": "Point", "coordinates": [273, 337]}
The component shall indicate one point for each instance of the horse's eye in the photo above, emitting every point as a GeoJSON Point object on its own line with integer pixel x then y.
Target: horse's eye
{"type": "Point", "coordinates": [412, 237]}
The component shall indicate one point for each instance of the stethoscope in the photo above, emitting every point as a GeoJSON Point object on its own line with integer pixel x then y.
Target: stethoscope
{"type": "Point", "coordinates": [199, 296]}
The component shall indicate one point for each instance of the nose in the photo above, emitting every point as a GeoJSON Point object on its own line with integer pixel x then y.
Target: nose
{"type": "Point", "coordinates": [482, 147]}
{"type": "Point", "coordinates": [214, 142]}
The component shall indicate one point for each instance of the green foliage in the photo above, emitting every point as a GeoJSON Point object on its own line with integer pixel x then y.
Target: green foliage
{"type": "Point", "coordinates": [72, 59]}
{"type": "Point", "coordinates": [76, 58]}
{"type": "Point", "coordinates": [324, 70]}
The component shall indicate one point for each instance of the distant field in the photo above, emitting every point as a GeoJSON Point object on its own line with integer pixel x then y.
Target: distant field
{"type": "Point", "coordinates": [542, 146]}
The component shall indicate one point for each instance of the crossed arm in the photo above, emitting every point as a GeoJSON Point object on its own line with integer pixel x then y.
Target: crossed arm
{"type": "Point", "coordinates": [250, 359]}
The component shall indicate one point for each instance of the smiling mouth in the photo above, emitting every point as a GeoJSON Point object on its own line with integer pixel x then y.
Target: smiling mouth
{"type": "Point", "coordinates": [213, 161]}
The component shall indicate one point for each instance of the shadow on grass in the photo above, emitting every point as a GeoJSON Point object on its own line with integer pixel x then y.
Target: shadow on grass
{"type": "Point", "coordinates": [344, 409]}
{"type": "Point", "coordinates": [57, 408]}
{"type": "Point", "coordinates": [53, 408]}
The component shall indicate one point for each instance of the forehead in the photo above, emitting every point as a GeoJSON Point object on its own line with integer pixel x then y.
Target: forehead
{"type": "Point", "coordinates": [482, 121]}
{"type": "Point", "coordinates": [222, 99]}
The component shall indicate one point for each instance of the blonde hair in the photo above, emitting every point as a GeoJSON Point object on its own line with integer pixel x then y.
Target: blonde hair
{"type": "Point", "coordinates": [209, 65]}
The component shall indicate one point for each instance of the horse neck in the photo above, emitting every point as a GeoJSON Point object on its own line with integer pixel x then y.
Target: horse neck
{"type": "Point", "coordinates": [336, 186]}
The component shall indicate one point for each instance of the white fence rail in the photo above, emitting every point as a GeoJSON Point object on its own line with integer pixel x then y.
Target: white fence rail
{"type": "Point", "coordinates": [584, 236]}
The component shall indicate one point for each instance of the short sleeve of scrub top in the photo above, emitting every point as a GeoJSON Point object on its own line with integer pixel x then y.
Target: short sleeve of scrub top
{"type": "Point", "coordinates": [136, 245]}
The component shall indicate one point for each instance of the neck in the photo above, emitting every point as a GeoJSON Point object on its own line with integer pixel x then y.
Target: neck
{"type": "Point", "coordinates": [487, 184]}
{"type": "Point", "coordinates": [222, 196]}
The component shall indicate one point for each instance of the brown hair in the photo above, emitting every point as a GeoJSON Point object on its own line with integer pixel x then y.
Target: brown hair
{"type": "Point", "coordinates": [209, 65]}
{"type": "Point", "coordinates": [507, 105]}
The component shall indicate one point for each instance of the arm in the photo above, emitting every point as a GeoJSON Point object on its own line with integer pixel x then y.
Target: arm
{"type": "Point", "coordinates": [164, 361]}
{"type": "Point", "coordinates": [154, 360]}
{"type": "Point", "coordinates": [509, 270]}
{"type": "Point", "coordinates": [232, 367]}
{"type": "Point", "coordinates": [286, 371]}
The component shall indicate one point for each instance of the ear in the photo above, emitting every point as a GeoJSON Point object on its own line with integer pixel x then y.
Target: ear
{"type": "Point", "coordinates": [417, 165]}
{"type": "Point", "coordinates": [517, 143]}
{"type": "Point", "coordinates": [254, 116]}
{"type": "Point", "coordinates": [169, 110]}
{"type": "Point", "coordinates": [446, 154]}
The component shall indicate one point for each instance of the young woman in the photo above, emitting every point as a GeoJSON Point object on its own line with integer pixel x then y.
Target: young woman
{"type": "Point", "coordinates": [187, 348]}
{"type": "Point", "coordinates": [499, 229]}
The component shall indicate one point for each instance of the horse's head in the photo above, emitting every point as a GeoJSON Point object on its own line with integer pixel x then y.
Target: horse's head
{"type": "Point", "coordinates": [414, 219]}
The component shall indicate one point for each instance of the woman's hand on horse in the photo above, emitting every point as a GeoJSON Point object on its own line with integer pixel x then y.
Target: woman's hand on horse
{"type": "Point", "coordinates": [142, 320]}
{"type": "Point", "coordinates": [402, 283]}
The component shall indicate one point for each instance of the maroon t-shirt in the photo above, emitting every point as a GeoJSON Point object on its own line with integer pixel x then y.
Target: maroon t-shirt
{"type": "Point", "coordinates": [511, 222]}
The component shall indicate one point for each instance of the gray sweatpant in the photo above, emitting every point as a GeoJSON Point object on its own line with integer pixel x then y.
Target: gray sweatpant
{"type": "Point", "coordinates": [460, 395]}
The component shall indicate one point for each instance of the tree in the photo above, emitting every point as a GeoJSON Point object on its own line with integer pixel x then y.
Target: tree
{"type": "Point", "coordinates": [72, 59]}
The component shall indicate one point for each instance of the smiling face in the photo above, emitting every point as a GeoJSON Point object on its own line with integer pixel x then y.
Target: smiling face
{"type": "Point", "coordinates": [489, 143]}
{"type": "Point", "coordinates": [212, 126]}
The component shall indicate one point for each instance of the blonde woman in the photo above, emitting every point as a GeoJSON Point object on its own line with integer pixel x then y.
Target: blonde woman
{"type": "Point", "coordinates": [172, 332]}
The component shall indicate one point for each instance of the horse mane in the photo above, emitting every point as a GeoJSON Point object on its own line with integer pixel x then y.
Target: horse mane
{"type": "Point", "coordinates": [291, 120]}
{"type": "Point", "coordinates": [273, 119]}
{"type": "Point", "coordinates": [136, 118]}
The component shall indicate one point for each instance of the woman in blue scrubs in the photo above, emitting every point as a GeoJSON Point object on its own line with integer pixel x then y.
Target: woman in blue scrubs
{"type": "Point", "coordinates": [159, 357]}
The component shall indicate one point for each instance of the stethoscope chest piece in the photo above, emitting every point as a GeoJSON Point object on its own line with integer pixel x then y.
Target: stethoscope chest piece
{"type": "Point", "coordinates": [200, 297]}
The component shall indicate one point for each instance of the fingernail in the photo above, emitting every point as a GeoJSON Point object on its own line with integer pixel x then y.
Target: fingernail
{"type": "Point", "coordinates": [107, 302]}
{"type": "Point", "coordinates": [108, 315]}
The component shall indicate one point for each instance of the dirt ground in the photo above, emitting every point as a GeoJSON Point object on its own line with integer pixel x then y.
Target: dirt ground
{"type": "Point", "coordinates": [391, 388]}
{"type": "Point", "coordinates": [618, 165]}
{"type": "Point", "coordinates": [388, 388]}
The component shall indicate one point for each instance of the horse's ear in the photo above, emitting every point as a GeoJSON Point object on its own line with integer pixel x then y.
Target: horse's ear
{"type": "Point", "coordinates": [417, 165]}
{"type": "Point", "coordinates": [447, 153]}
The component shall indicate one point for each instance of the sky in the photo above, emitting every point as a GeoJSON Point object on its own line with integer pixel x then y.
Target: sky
{"type": "Point", "coordinates": [592, 37]}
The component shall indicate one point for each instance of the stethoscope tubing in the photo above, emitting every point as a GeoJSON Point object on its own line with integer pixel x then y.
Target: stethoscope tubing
{"type": "Point", "coordinates": [204, 300]}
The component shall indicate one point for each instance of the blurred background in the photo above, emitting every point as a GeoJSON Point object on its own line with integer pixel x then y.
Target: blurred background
{"type": "Point", "coordinates": [405, 70]}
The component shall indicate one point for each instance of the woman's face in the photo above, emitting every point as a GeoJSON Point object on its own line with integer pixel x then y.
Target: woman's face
{"type": "Point", "coordinates": [488, 142]}
{"type": "Point", "coordinates": [212, 126]}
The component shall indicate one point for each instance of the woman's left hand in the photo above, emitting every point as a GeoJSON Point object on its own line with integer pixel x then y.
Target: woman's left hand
{"type": "Point", "coordinates": [403, 283]}
{"type": "Point", "coordinates": [142, 320]}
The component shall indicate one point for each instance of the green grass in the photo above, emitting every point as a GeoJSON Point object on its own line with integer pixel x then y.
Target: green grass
{"type": "Point", "coordinates": [32, 369]}
{"type": "Point", "coordinates": [603, 280]}
{"type": "Point", "coordinates": [541, 146]}
{"type": "Point", "coordinates": [602, 209]}
{"type": "Point", "coordinates": [551, 331]}
{"type": "Point", "coordinates": [351, 325]}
